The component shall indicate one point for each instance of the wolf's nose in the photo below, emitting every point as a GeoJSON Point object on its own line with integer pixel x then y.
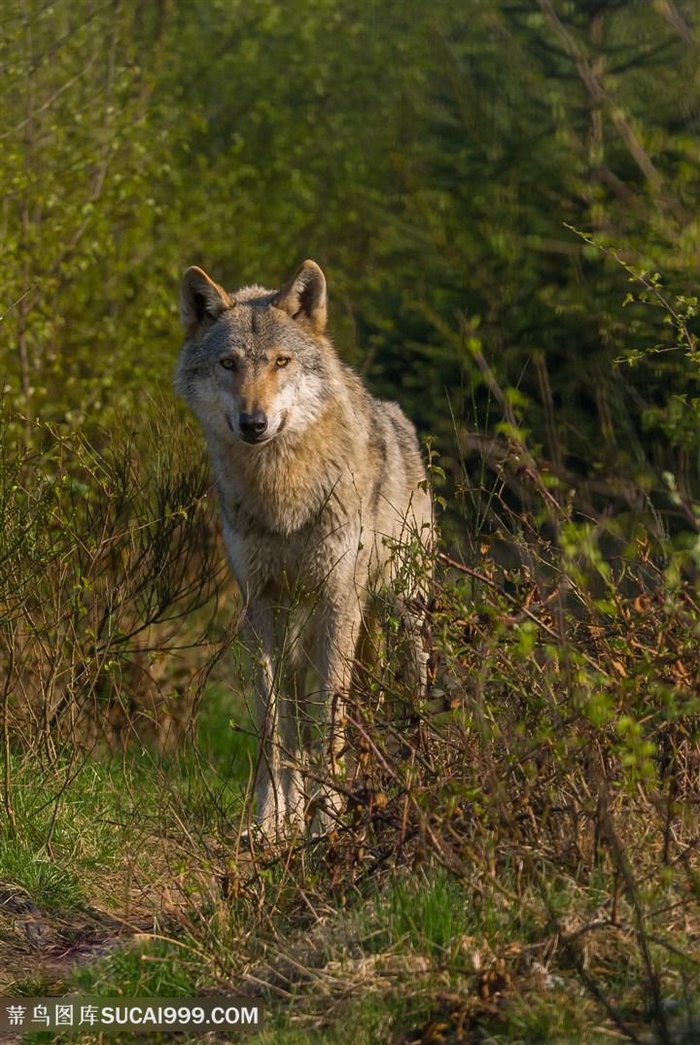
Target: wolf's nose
{"type": "Point", "coordinates": [252, 426]}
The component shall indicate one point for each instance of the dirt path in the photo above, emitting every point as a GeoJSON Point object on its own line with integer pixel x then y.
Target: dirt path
{"type": "Point", "coordinates": [42, 947]}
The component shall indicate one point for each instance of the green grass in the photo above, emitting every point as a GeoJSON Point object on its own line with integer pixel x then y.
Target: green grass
{"type": "Point", "coordinates": [427, 912]}
{"type": "Point", "coordinates": [47, 884]}
{"type": "Point", "coordinates": [151, 969]}
{"type": "Point", "coordinates": [85, 826]}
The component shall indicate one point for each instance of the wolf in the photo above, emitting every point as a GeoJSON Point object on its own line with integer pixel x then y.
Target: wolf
{"type": "Point", "coordinates": [324, 504]}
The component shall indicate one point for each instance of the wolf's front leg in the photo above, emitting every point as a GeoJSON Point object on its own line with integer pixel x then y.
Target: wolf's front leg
{"type": "Point", "coordinates": [292, 729]}
{"type": "Point", "coordinates": [279, 795]}
{"type": "Point", "coordinates": [337, 657]}
{"type": "Point", "coordinates": [270, 806]}
{"type": "Point", "coordinates": [270, 800]}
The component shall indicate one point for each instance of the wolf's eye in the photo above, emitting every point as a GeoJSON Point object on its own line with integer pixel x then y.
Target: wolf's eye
{"type": "Point", "coordinates": [228, 363]}
{"type": "Point", "coordinates": [282, 361]}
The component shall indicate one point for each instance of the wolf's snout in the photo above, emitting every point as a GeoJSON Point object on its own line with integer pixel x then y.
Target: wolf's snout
{"type": "Point", "coordinates": [252, 426]}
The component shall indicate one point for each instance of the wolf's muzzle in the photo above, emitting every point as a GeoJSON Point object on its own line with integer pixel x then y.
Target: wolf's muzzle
{"type": "Point", "coordinates": [253, 427]}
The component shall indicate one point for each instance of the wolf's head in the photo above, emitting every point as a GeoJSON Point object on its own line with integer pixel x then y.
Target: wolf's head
{"type": "Point", "coordinates": [255, 363]}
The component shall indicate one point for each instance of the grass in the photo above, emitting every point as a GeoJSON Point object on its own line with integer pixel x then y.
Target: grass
{"type": "Point", "coordinates": [112, 836]}
{"type": "Point", "coordinates": [47, 884]}
{"type": "Point", "coordinates": [429, 913]}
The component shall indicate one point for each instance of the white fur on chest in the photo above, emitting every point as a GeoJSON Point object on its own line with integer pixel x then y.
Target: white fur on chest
{"type": "Point", "coordinates": [311, 557]}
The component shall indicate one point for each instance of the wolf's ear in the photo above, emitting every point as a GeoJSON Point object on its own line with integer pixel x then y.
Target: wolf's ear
{"type": "Point", "coordinates": [200, 299]}
{"type": "Point", "coordinates": [304, 297]}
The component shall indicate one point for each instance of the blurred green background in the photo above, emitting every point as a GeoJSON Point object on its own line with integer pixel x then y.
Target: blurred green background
{"type": "Point", "coordinates": [441, 161]}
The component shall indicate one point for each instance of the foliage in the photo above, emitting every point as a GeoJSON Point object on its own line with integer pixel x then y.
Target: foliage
{"type": "Point", "coordinates": [78, 164]}
{"type": "Point", "coordinates": [102, 570]}
{"type": "Point", "coordinates": [476, 139]}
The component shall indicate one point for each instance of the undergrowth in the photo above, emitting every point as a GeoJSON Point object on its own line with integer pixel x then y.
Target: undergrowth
{"type": "Point", "coordinates": [517, 861]}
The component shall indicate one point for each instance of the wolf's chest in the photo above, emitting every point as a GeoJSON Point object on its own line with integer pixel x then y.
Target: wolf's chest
{"type": "Point", "coordinates": [290, 566]}
{"type": "Point", "coordinates": [289, 525]}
